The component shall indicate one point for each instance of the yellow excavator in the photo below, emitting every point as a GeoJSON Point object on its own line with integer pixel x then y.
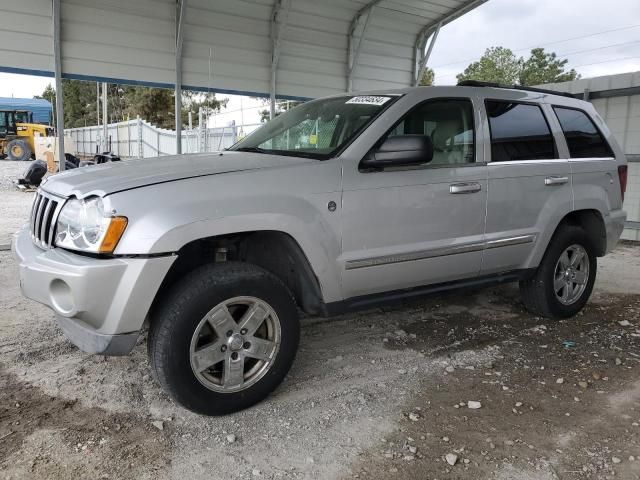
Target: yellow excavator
{"type": "Point", "coordinates": [17, 133]}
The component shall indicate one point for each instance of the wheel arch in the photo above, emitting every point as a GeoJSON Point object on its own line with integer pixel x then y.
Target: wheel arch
{"type": "Point", "coordinates": [591, 220]}
{"type": "Point", "coordinates": [275, 251]}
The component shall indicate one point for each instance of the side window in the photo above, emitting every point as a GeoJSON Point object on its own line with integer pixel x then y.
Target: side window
{"type": "Point", "coordinates": [449, 123]}
{"type": "Point", "coordinates": [519, 131]}
{"type": "Point", "coordinates": [583, 138]}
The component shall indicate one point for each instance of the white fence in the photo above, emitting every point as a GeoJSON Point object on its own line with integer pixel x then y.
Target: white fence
{"type": "Point", "coordinates": [138, 138]}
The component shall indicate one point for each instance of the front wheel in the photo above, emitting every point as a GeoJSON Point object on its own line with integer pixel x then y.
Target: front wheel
{"type": "Point", "coordinates": [564, 279]}
{"type": "Point", "coordinates": [224, 338]}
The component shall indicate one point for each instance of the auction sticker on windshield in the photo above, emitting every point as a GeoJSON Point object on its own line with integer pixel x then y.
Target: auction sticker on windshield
{"type": "Point", "coordinates": [369, 100]}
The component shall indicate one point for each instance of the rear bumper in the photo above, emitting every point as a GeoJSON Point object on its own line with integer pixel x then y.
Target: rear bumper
{"type": "Point", "coordinates": [614, 223]}
{"type": "Point", "coordinates": [100, 304]}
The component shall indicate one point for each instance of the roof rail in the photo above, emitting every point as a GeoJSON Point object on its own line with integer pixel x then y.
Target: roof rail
{"type": "Point", "coordinates": [476, 83]}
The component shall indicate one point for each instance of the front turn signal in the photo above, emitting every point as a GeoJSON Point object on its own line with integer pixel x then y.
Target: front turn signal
{"type": "Point", "coordinates": [114, 232]}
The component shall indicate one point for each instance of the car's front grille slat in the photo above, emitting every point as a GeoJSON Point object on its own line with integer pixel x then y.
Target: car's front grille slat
{"type": "Point", "coordinates": [39, 216]}
{"type": "Point", "coordinates": [44, 215]}
{"type": "Point", "coordinates": [34, 215]}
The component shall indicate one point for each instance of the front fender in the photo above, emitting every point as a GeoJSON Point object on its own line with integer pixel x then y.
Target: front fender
{"type": "Point", "coordinates": [165, 217]}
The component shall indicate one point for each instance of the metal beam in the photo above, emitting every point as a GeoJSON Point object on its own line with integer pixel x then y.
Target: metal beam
{"type": "Point", "coordinates": [424, 56]}
{"type": "Point", "coordinates": [422, 36]}
{"type": "Point", "coordinates": [57, 60]}
{"type": "Point", "coordinates": [105, 117]}
{"type": "Point", "coordinates": [180, 11]}
{"type": "Point", "coordinates": [278, 24]}
{"type": "Point", "coordinates": [353, 51]}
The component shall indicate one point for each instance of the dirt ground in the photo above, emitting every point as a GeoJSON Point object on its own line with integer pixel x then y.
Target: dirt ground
{"type": "Point", "coordinates": [384, 393]}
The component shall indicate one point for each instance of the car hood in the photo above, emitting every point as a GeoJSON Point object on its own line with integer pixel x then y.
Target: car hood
{"type": "Point", "coordinates": [114, 177]}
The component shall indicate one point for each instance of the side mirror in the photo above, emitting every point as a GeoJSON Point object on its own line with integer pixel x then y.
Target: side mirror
{"type": "Point", "coordinates": [400, 150]}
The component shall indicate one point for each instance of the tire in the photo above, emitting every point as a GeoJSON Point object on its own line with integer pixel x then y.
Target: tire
{"type": "Point", "coordinates": [201, 299]}
{"type": "Point", "coordinates": [544, 293]}
{"type": "Point", "coordinates": [18, 150]}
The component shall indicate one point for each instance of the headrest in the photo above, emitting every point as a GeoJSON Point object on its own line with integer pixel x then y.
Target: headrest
{"type": "Point", "coordinates": [443, 132]}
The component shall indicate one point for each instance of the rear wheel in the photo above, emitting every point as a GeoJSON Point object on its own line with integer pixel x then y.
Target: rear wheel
{"type": "Point", "coordinates": [224, 338]}
{"type": "Point", "coordinates": [18, 150]}
{"type": "Point", "coordinates": [564, 280]}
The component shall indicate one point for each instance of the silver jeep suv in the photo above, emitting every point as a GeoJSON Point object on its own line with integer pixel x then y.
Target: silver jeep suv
{"type": "Point", "coordinates": [342, 203]}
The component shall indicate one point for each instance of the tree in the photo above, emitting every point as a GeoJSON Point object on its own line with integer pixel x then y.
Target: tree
{"type": "Point", "coordinates": [156, 105]}
{"type": "Point", "coordinates": [543, 67]}
{"type": "Point", "coordinates": [194, 101]}
{"type": "Point", "coordinates": [49, 94]}
{"type": "Point", "coordinates": [427, 77]}
{"type": "Point", "coordinates": [79, 99]}
{"type": "Point", "coordinates": [500, 65]}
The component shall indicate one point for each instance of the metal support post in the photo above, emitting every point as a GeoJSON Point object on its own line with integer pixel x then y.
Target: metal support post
{"type": "Point", "coordinates": [278, 24]}
{"type": "Point", "coordinates": [180, 11]}
{"type": "Point", "coordinates": [353, 51]}
{"type": "Point", "coordinates": [422, 56]}
{"type": "Point", "coordinates": [57, 57]}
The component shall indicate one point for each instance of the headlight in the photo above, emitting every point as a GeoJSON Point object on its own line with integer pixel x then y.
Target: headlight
{"type": "Point", "coordinates": [83, 225]}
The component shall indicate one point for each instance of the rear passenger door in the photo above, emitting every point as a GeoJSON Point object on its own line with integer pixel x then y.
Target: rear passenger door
{"type": "Point", "coordinates": [529, 185]}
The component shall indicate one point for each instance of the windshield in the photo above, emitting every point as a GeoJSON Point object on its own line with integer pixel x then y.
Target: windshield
{"type": "Point", "coordinates": [23, 117]}
{"type": "Point", "coordinates": [317, 129]}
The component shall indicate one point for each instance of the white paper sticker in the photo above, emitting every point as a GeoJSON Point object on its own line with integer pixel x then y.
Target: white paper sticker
{"type": "Point", "coordinates": [369, 100]}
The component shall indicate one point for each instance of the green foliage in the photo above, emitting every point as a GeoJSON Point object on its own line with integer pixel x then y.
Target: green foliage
{"type": "Point", "coordinates": [543, 67]}
{"type": "Point", "coordinates": [194, 101]}
{"type": "Point", "coordinates": [427, 77]}
{"type": "Point", "coordinates": [49, 94]}
{"type": "Point", "coordinates": [156, 105]}
{"type": "Point", "coordinates": [500, 65]}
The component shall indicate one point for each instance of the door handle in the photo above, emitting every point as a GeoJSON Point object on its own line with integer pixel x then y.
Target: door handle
{"type": "Point", "coordinates": [556, 180]}
{"type": "Point", "coordinates": [464, 188]}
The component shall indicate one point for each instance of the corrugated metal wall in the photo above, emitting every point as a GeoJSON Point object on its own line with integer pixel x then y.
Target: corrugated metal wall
{"type": "Point", "coordinates": [227, 45]}
{"type": "Point", "coordinates": [622, 115]}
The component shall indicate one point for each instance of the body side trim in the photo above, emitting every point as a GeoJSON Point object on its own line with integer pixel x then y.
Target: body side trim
{"type": "Point", "coordinates": [438, 252]}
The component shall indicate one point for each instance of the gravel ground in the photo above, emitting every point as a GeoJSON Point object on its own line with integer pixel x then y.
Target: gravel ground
{"type": "Point", "coordinates": [386, 393]}
{"type": "Point", "coordinates": [14, 204]}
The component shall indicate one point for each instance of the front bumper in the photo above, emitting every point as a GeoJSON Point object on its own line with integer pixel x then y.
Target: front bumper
{"type": "Point", "coordinates": [100, 304]}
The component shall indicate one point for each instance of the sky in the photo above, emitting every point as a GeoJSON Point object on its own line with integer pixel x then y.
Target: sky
{"type": "Point", "coordinates": [597, 37]}
{"type": "Point", "coordinates": [524, 24]}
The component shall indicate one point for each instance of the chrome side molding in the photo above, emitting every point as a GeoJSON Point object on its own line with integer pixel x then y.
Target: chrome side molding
{"type": "Point", "coordinates": [439, 252]}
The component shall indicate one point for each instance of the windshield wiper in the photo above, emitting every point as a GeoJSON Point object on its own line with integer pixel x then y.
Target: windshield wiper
{"type": "Point", "coordinates": [251, 149]}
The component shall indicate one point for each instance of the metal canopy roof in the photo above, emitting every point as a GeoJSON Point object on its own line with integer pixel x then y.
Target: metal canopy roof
{"type": "Point", "coordinates": [316, 47]}
{"type": "Point", "coordinates": [283, 48]}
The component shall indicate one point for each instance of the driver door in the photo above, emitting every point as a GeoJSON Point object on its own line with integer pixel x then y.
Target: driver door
{"type": "Point", "coordinates": [405, 227]}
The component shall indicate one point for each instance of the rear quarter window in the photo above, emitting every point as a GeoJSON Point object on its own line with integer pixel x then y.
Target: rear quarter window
{"type": "Point", "coordinates": [519, 131]}
{"type": "Point", "coordinates": [583, 137]}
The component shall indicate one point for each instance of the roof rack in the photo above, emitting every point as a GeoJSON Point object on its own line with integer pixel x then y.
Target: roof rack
{"type": "Point", "coordinates": [476, 83]}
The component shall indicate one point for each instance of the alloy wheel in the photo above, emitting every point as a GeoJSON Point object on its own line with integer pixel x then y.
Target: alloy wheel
{"type": "Point", "coordinates": [571, 274]}
{"type": "Point", "coordinates": [235, 344]}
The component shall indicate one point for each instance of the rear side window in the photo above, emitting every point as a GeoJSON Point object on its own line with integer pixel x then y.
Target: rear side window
{"type": "Point", "coordinates": [583, 137]}
{"type": "Point", "coordinates": [519, 131]}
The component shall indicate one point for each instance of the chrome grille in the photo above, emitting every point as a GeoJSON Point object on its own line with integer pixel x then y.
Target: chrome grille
{"type": "Point", "coordinates": [44, 214]}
